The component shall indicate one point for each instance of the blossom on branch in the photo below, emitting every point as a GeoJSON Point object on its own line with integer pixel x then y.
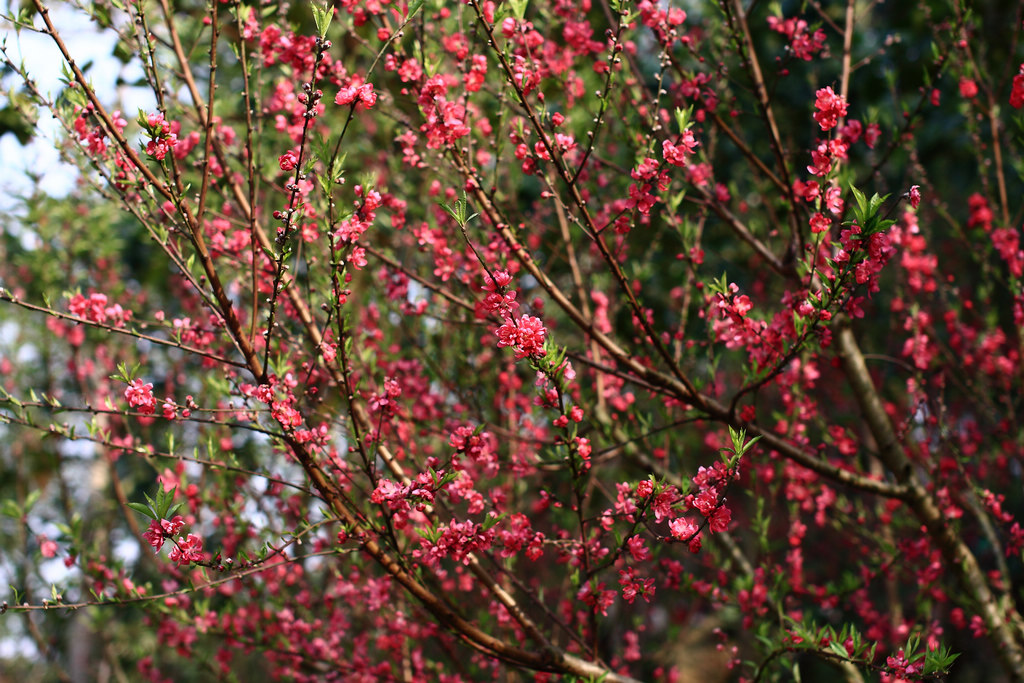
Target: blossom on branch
{"type": "Point", "coordinates": [525, 335]}
{"type": "Point", "coordinates": [831, 107]}
{"type": "Point", "coordinates": [140, 395]}
{"type": "Point", "coordinates": [187, 551]}
{"type": "Point", "coordinates": [161, 529]}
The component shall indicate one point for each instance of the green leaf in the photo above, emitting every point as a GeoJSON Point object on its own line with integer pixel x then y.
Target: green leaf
{"type": "Point", "coordinates": [838, 649]}
{"type": "Point", "coordinates": [8, 508]}
{"type": "Point", "coordinates": [322, 16]}
{"type": "Point", "coordinates": [683, 118]}
{"type": "Point", "coordinates": [457, 211]}
{"type": "Point", "coordinates": [142, 509]}
{"type": "Point", "coordinates": [519, 9]}
{"type": "Point", "coordinates": [861, 209]}
{"type": "Point", "coordinates": [31, 499]}
{"type": "Point", "coordinates": [491, 520]}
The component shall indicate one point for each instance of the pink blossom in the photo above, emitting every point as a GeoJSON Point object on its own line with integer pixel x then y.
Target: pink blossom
{"type": "Point", "coordinates": [456, 541]}
{"type": "Point", "coordinates": [264, 393]}
{"type": "Point", "coordinates": [95, 309]}
{"type": "Point", "coordinates": [358, 258]}
{"type": "Point", "coordinates": [831, 107]}
{"type": "Point", "coordinates": [140, 395]}
{"type": "Point", "coordinates": [161, 529]}
{"type": "Point", "coordinates": [968, 88]}
{"type": "Point", "coordinates": [981, 214]}
{"type": "Point", "coordinates": [392, 493]}
{"type": "Point", "coordinates": [808, 191]}
{"type": "Point", "coordinates": [676, 154]}
{"type": "Point", "coordinates": [187, 551]}
{"type": "Point", "coordinates": [161, 137]}
{"type": "Point", "coordinates": [285, 414]}
{"type": "Point", "coordinates": [834, 200]}
{"type": "Point", "coordinates": [638, 549]}
{"type": "Point", "coordinates": [852, 131]}
{"type": "Point", "coordinates": [640, 197]}
{"type": "Point", "coordinates": [359, 94]}
{"type": "Point", "coordinates": [803, 44]}
{"type": "Point", "coordinates": [915, 196]}
{"type": "Point", "coordinates": [499, 279]}
{"type": "Point", "coordinates": [597, 598]}
{"type": "Point", "coordinates": [445, 123]}
{"type": "Point", "coordinates": [47, 547]}
{"type": "Point", "coordinates": [632, 586]}
{"type": "Point", "coordinates": [525, 335]}
{"type": "Point", "coordinates": [1017, 93]}
{"type": "Point", "coordinates": [720, 518]}
{"type": "Point", "coordinates": [288, 161]}
{"type": "Point", "coordinates": [821, 161]}
{"type": "Point", "coordinates": [683, 529]}
{"type": "Point", "coordinates": [871, 135]}
{"type": "Point", "coordinates": [819, 223]}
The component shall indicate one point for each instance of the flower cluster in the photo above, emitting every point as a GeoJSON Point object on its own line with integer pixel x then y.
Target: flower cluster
{"type": "Point", "coordinates": [868, 256]}
{"type": "Point", "coordinates": [901, 668]}
{"type": "Point", "coordinates": [478, 446]}
{"type": "Point", "coordinates": [357, 93]}
{"type": "Point", "coordinates": [187, 551]}
{"type": "Point", "coordinates": [633, 585]}
{"type": "Point", "coordinates": [162, 139]}
{"type": "Point", "coordinates": [524, 334]}
{"type": "Point", "coordinates": [401, 499]}
{"type": "Point", "coordinates": [455, 541]}
{"type": "Point", "coordinates": [94, 137]}
{"type": "Point", "coordinates": [830, 108]}
{"type": "Point", "coordinates": [139, 395]}
{"type": "Point", "coordinates": [647, 174]}
{"type": "Point", "coordinates": [709, 499]}
{"type": "Point", "coordinates": [679, 152]}
{"type": "Point", "coordinates": [500, 299]}
{"type": "Point", "coordinates": [1017, 93]}
{"type": "Point", "coordinates": [162, 529]}
{"type": "Point", "coordinates": [518, 532]}
{"type": "Point", "coordinates": [596, 597]}
{"type": "Point", "coordinates": [802, 43]}
{"type": "Point", "coordinates": [95, 309]}
{"type": "Point", "coordinates": [384, 402]}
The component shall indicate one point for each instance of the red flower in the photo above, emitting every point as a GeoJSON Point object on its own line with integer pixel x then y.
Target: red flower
{"type": "Point", "coordinates": [187, 551]}
{"type": "Point", "coordinates": [819, 223]}
{"type": "Point", "coordinates": [915, 196]}
{"type": "Point", "coordinates": [525, 335]}
{"type": "Point", "coordinates": [822, 161]}
{"type": "Point", "coordinates": [1017, 94]}
{"type": "Point", "coordinates": [831, 107]}
{"type": "Point", "coordinates": [359, 94]}
{"type": "Point", "coordinates": [47, 546]}
{"type": "Point", "coordinates": [288, 161]}
{"type": "Point", "coordinates": [140, 396]}
{"type": "Point", "coordinates": [161, 529]}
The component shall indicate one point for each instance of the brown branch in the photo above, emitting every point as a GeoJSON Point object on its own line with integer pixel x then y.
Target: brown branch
{"type": "Point", "coordinates": [8, 296]}
{"type": "Point", "coordinates": [1002, 621]}
{"type": "Point", "coordinates": [224, 302]}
